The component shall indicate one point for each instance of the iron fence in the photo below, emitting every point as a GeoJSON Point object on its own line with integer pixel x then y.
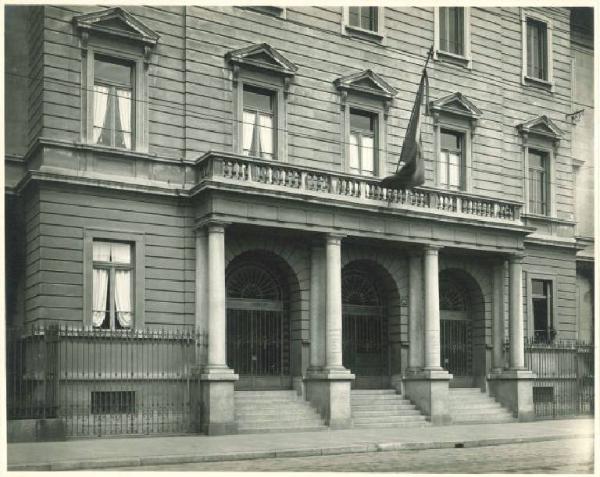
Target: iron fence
{"type": "Point", "coordinates": [102, 382]}
{"type": "Point", "coordinates": [564, 383]}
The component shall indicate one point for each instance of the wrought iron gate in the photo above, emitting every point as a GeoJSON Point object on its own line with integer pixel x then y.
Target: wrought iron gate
{"type": "Point", "coordinates": [364, 332]}
{"type": "Point", "coordinates": [257, 329]}
{"type": "Point", "coordinates": [456, 350]}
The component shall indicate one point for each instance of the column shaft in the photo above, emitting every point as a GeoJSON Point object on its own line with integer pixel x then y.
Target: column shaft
{"type": "Point", "coordinates": [515, 298]}
{"type": "Point", "coordinates": [201, 308]}
{"type": "Point", "coordinates": [432, 309]}
{"type": "Point", "coordinates": [317, 343]}
{"type": "Point", "coordinates": [216, 296]}
{"type": "Point", "coordinates": [415, 313]}
{"type": "Point", "coordinates": [333, 311]}
{"type": "Point", "coordinates": [498, 318]}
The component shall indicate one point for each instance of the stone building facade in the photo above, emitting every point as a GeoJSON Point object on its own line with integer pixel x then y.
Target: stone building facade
{"type": "Point", "coordinates": [219, 169]}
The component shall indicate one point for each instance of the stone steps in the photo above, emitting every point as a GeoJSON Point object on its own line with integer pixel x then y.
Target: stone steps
{"type": "Point", "coordinates": [383, 408]}
{"type": "Point", "coordinates": [471, 406]}
{"type": "Point", "coordinates": [274, 411]}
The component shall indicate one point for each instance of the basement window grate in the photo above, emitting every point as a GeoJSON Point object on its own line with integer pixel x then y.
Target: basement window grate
{"type": "Point", "coordinates": [113, 402]}
{"type": "Point", "coordinates": [543, 394]}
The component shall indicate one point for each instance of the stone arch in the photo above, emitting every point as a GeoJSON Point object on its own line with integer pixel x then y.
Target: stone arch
{"type": "Point", "coordinates": [395, 265]}
{"type": "Point", "coordinates": [291, 262]}
{"type": "Point", "coordinates": [367, 285]}
{"type": "Point", "coordinates": [461, 294]}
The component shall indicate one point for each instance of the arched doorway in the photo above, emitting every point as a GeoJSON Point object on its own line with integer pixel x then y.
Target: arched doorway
{"type": "Point", "coordinates": [365, 327]}
{"type": "Point", "coordinates": [461, 307]}
{"type": "Point", "coordinates": [258, 324]}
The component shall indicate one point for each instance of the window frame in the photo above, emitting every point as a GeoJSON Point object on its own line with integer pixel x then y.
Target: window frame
{"type": "Point", "coordinates": [139, 97]}
{"type": "Point", "coordinates": [530, 277]}
{"type": "Point", "coordinates": [464, 128]}
{"type": "Point", "coordinates": [137, 242]}
{"type": "Point", "coordinates": [275, 85]}
{"type": "Point", "coordinates": [545, 169]}
{"type": "Point", "coordinates": [371, 107]}
{"type": "Point", "coordinates": [257, 112]}
{"type": "Point", "coordinates": [465, 59]}
{"type": "Point", "coordinates": [361, 134]}
{"type": "Point", "coordinates": [464, 136]}
{"type": "Point", "coordinates": [372, 35]}
{"type": "Point", "coordinates": [550, 179]}
{"type": "Point", "coordinates": [547, 83]}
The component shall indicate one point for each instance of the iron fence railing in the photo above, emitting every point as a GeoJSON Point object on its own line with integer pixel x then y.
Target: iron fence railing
{"type": "Point", "coordinates": [564, 382]}
{"type": "Point", "coordinates": [103, 382]}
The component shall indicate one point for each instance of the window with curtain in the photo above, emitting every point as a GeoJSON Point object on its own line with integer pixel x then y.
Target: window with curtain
{"type": "Point", "coordinates": [363, 17]}
{"type": "Point", "coordinates": [363, 143]}
{"type": "Point", "coordinates": [541, 299]}
{"type": "Point", "coordinates": [258, 128]}
{"type": "Point", "coordinates": [451, 165]}
{"type": "Point", "coordinates": [537, 49]}
{"type": "Point", "coordinates": [538, 181]}
{"type": "Point", "coordinates": [112, 276]}
{"type": "Point", "coordinates": [452, 30]}
{"type": "Point", "coordinates": [113, 105]}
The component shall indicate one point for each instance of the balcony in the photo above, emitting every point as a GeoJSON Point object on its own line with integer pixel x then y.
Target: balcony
{"type": "Point", "coordinates": [236, 171]}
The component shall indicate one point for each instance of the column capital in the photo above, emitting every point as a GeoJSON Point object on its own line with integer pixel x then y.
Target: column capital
{"type": "Point", "coordinates": [516, 257]}
{"type": "Point", "coordinates": [334, 238]}
{"type": "Point", "coordinates": [215, 227]}
{"type": "Point", "coordinates": [431, 249]}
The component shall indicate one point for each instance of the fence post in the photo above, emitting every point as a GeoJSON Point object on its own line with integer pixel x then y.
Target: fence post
{"type": "Point", "coordinates": [51, 371]}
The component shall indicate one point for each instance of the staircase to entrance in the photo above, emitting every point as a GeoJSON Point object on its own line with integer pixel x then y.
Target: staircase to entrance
{"type": "Point", "coordinates": [274, 411]}
{"type": "Point", "coordinates": [384, 408]}
{"type": "Point", "coordinates": [471, 406]}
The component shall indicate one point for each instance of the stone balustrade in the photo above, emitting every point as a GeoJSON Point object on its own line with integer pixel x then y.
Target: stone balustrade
{"type": "Point", "coordinates": [230, 168]}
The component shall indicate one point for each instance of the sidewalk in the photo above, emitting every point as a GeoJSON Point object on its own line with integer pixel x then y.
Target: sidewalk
{"type": "Point", "coordinates": [133, 451]}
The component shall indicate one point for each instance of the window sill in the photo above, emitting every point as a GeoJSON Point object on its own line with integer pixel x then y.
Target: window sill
{"type": "Point", "coordinates": [368, 35]}
{"type": "Point", "coordinates": [447, 57]}
{"type": "Point", "coordinates": [538, 83]}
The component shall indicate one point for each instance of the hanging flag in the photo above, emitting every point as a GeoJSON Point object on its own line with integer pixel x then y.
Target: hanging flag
{"type": "Point", "coordinates": [410, 171]}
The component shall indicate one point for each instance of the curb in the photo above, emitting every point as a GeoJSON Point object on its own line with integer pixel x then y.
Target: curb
{"type": "Point", "coordinates": [307, 452]}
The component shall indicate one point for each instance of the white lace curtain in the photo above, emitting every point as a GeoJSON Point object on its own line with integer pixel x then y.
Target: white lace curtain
{"type": "Point", "coordinates": [124, 101]}
{"type": "Point", "coordinates": [100, 108]}
{"type": "Point", "coordinates": [264, 139]}
{"type": "Point", "coordinates": [115, 253]}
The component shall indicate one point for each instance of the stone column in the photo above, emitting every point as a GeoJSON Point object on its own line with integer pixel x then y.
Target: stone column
{"type": "Point", "coordinates": [498, 318]}
{"type": "Point", "coordinates": [201, 308]}
{"type": "Point", "coordinates": [513, 387]}
{"type": "Point", "coordinates": [515, 300]}
{"type": "Point", "coordinates": [415, 314]}
{"type": "Point", "coordinates": [432, 309]}
{"type": "Point", "coordinates": [328, 388]}
{"type": "Point", "coordinates": [216, 378]}
{"type": "Point", "coordinates": [428, 387]}
{"type": "Point", "coordinates": [317, 315]}
{"type": "Point", "coordinates": [333, 307]}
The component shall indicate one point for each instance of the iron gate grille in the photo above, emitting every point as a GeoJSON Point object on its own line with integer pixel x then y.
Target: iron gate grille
{"type": "Point", "coordinates": [564, 381]}
{"type": "Point", "coordinates": [364, 346]}
{"type": "Point", "coordinates": [255, 342]}
{"type": "Point", "coordinates": [455, 352]}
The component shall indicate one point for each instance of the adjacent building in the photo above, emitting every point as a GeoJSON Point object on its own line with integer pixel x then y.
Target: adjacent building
{"type": "Point", "coordinates": [219, 170]}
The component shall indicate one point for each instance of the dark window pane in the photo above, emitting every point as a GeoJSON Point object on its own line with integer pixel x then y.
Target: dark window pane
{"type": "Point", "coordinates": [354, 14]}
{"type": "Point", "coordinates": [444, 28]}
{"type": "Point", "coordinates": [257, 99]}
{"type": "Point", "coordinates": [451, 140]}
{"type": "Point", "coordinates": [361, 120]}
{"type": "Point", "coordinates": [537, 54]}
{"type": "Point", "coordinates": [112, 72]}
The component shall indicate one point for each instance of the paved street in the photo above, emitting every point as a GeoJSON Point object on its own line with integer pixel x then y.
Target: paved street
{"type": "Point", "coordinates": [561, 456]}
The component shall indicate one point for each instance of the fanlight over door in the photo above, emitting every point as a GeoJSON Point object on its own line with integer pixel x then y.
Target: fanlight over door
{"type": "Point", "coordinates": [257, 328]}
{"type": "Point", "coordinates": [364, 331]}
{"type": "Point", "coordinates": [455, 333]}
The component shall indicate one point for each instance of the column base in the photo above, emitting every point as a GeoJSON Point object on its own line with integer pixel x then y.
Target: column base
{"type": "Point", "coordinates": [328, 390]}
{"type": "Point", "coordinates": [217, 408]}
{"type": "Point", "coordinates": [428, 390]}
{"type": "Point", "coordinates": [513, 388]}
